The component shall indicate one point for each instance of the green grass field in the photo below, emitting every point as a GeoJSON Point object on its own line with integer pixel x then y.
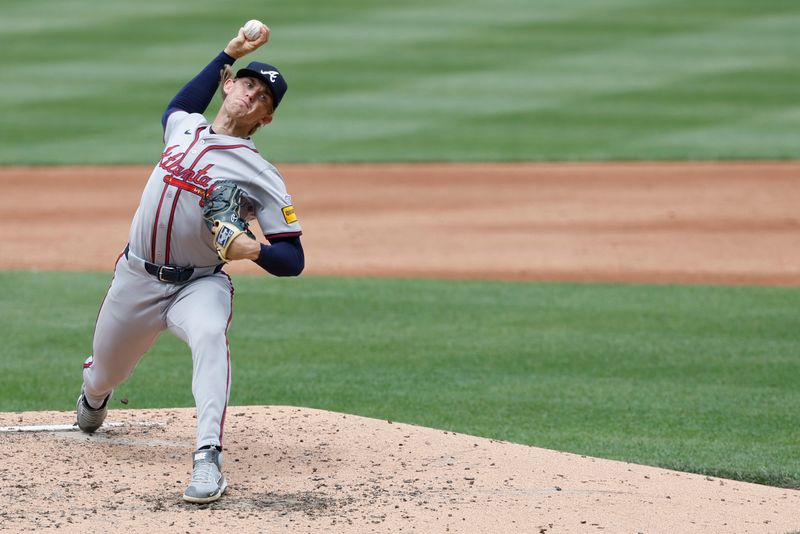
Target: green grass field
{"type": "Point", "coordinates": [440, 80]}
{"type": "Point", "coordinates": [694, 378]}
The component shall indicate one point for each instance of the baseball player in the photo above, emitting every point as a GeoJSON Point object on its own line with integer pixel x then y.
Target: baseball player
{"type": "Point", "coordinates": [169, 276]}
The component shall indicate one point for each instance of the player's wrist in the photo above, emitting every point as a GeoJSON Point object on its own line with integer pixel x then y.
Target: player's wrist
{"type": "Point", "coordinates": [254, 249]}
{"type": "Point", "coordinates": [233, 54]}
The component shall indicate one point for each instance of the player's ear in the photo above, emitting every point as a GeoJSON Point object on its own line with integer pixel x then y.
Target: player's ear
{"type": "Point", "coordinates": [224, 75]}
{"type": "Point", "coordinates": [266, 120]}
{"type": "Point", "coordinates": [226, 86]}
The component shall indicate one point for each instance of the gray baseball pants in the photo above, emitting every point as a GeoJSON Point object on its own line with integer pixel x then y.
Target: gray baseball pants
{"type": "Point", "coordinates": [137, 308]}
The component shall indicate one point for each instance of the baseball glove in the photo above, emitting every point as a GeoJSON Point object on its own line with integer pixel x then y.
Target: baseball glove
{"type": "Point", "coordinates": [223, 211]}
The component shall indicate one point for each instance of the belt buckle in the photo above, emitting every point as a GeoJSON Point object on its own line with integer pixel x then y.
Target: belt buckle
{"type": "Point", "coordinates": [162, 270]}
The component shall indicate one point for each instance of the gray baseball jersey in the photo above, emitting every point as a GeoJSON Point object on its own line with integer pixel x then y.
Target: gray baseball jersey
{"type": "Point", "coordinates": [168, 229]}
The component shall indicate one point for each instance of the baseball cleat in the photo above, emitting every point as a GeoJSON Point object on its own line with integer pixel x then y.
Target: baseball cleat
{"type": "Point", "coordinates": [90, 419]}
{"type": "Point", "coordinates": [207, 484]}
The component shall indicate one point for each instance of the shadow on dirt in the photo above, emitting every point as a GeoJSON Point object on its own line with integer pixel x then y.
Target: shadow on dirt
{"type": "Point", "coordinates": [304, 502]}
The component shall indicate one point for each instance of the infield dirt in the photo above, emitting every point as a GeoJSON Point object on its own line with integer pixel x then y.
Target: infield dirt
{"type": "Point", "coordinates": [301, 470]}
{"type": "Point", "coordinates": [732, 223]}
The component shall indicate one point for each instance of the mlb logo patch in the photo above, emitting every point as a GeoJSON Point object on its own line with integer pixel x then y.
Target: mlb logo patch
{"type": "Point", "coordinates": [223, 235]}
{"type": "Point", "coordinates": [88, 361]}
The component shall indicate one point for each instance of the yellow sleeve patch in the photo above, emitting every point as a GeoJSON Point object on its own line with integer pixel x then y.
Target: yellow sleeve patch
{"type": "Point", "coordinates": [288, 214]}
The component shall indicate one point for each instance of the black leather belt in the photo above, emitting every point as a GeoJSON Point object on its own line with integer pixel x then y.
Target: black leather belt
{"type": "Point", "coordinates": [174, 274]}
{"type": "Point", "coordinates": [169, 273]}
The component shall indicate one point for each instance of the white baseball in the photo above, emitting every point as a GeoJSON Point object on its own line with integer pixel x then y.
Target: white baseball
{"type": "Point", "coordinates": [252, 29]}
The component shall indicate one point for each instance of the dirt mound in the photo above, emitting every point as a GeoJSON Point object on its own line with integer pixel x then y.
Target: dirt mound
{"type": "Point", "coordinates": [304, 470]}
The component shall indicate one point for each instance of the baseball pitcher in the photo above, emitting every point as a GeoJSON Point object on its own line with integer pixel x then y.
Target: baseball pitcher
{"type": "Point", "coordinates": [209, 182]}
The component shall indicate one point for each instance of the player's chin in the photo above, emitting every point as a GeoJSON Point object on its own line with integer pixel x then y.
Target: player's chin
{"type": "Point", "coordinates": [238, 108]}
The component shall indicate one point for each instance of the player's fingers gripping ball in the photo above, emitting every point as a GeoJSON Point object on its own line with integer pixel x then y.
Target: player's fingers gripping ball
{"type": "Point", "coordinates": [252, 29]}
{"type": "Point", "coordinates": [223, 211]}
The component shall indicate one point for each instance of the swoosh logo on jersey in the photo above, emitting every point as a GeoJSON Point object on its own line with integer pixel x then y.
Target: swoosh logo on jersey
{"type": "Point", "coordinates": [187, 132]}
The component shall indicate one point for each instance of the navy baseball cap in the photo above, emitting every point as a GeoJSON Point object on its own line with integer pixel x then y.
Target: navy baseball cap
{"type": "Point", "coordinates": [270, 75]}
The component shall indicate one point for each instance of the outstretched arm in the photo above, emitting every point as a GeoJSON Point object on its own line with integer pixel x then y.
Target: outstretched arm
{"type": "Point", "coordinates": [195, 96]}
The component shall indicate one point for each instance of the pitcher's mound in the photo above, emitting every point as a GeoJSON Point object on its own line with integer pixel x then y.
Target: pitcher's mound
{"type": "Point", "coordinates": [304, 470]}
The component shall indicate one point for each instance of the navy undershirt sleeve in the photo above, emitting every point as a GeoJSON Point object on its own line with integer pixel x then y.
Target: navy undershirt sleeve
{"type": "Point", "coordinates": [195, 96]}
{"type": "Point", "coordinates": [283, 257]}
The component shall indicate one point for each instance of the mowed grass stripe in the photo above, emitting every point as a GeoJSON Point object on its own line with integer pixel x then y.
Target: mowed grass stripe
{"type": "Point", "coordinates": [439, 80]}
{"type": "Point", "coordinates": [689, 377]}
{"type": "Point", "coordinates": [548, 118]}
